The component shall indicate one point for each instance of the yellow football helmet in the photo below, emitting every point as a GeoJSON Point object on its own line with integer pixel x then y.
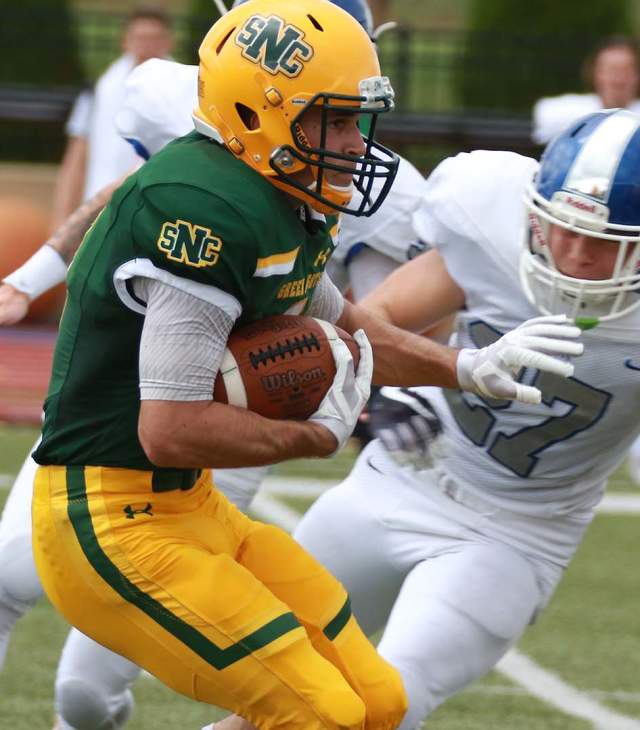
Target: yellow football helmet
{"type": "Point", "coordinates": [267, 62]}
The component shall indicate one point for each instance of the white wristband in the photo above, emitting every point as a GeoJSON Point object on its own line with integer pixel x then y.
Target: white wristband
{"type": "Point", "coordinates": [41, 272]}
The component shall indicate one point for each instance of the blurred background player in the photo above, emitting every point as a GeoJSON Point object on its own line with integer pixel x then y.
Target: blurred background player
{"type": "Point", "coordinates": [613, 74]}
{"type": "Point", "coordinates": [96, 157]}
{"type": "Point", "coordinates": [95, 154]}
{"type": "Point", "coordinates": [468, 510]}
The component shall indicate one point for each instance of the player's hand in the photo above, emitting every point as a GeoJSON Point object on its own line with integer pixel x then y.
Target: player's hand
{"type": "Point", "coordinates": [406, 424]}
{"type": "Point", "coordinates": [536, 343]}
{"type": "Point", "coordinates": [14, 304]}
{"type": "Point", "coordinates": [349, 392]}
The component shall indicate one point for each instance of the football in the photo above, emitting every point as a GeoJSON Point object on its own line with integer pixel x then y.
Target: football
{"type": "Point", "coordinates": [280, 367]}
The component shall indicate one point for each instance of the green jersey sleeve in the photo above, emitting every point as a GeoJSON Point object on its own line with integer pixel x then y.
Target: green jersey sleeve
{"type": "Point", "coordinates": [196, 236]}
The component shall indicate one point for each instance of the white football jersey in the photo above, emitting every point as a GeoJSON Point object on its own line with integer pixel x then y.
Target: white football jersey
{"type": "Point", "coordinates": [159, 99]}
{"type": "Point", "coordinates": [390, 229]}
{"type": "Point", "coordinates": [545, 459]}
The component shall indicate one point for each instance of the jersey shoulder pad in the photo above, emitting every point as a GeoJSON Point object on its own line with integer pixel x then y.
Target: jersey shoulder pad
{"type": "Point", "coordinates": [390, 229]}
{"type": "Point", "coordinates": [473, 208]}
{"type": "Point", "coordinates": [475, 188]}
{"type": "Point", "coordinates": [551, 114]}
{"type": "Point", "coordinates": [159, 98]}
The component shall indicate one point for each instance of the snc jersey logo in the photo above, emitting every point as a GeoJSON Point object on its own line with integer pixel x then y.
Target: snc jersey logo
{"type": "Point", "coordinates": [276, 46]}
{"type": "Point", "coordinates": [187, 243]}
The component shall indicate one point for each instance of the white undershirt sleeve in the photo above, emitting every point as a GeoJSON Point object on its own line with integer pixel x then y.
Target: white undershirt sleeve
{"type": "Point", "coordinates": [327, 302]}
{"type": "Point", "coordinates": [182, 344]}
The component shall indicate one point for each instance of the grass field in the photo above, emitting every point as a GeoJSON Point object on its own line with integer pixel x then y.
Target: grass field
{"type": "Point", "coordinates": [589, 637]}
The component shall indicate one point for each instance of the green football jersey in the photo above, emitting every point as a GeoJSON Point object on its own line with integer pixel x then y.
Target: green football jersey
{"type": "Point", "coordinates": [200, 220]}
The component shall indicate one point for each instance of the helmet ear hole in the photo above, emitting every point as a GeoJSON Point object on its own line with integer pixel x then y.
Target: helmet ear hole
{"type": "Point", "coordinates": [248, 117]}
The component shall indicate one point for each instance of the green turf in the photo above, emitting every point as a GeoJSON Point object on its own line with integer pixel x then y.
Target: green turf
{"type": "Point", "coordinates": [477, 711]}
{"type": "Point", "coordinates": [335, 468]}
{"type": "Point", "coordinates": [299, 504]}
{"type": "Point", "coordinates": [591, 629]}
{"type": "Point", "coordinates": [15, 442]}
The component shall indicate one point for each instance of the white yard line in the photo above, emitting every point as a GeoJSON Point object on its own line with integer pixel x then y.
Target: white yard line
{"type": "Point", "coordinates": [267, 508]}
{"type": "Point", "coordinates": [616, 503]}
{"type": "Point", "coordinates": [551, 689]}
{"type": "Point", "coordinates": [620, 503]}
{"type": "Point", "coordinates": [293, 487]}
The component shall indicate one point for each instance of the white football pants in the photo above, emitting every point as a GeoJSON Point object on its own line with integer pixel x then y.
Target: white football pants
{"type": "Point", "coordinates": [633, 463]}
{"type": "Point", "coordinates": [19, 583]}
{"type": "Point", "coordinates": [455, 584]}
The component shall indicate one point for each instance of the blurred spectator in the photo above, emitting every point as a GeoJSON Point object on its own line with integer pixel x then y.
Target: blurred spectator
{"type": "Point", "coordinates": [612, 71]}
{"type": "Point", "coordinates": [95, 154]}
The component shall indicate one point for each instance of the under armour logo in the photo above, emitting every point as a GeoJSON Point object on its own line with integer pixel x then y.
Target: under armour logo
{"type": "Point", "coordinates": [131, 512]}
{"type": "Point", "coordinates": [322, 257]}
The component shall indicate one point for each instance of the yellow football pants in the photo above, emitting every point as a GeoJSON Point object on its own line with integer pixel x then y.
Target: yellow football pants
{"type": "Point", "coordinates": [219, 607]}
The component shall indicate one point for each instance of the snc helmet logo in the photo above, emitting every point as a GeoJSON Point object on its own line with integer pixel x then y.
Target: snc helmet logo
{"type": "Point", "coordinates": [276, 46]}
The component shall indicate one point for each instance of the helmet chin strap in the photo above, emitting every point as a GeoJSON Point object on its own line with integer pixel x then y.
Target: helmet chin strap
{"type": "Point", "coordinates": [339, 188]}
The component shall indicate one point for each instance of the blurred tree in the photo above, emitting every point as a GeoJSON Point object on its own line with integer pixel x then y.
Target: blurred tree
{"type": "Point", "coordinates": [39, 44]}
{"type": "Point", "coordinates": [201, 16]}
{"type": "Point", "coordinates": [516, 52]}
{"type": "Point", "coordinates": [381, 10]}
{"type": "Point", "coordinates": [39, 48]}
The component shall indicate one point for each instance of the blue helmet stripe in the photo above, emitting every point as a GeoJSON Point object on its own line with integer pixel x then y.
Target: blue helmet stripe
{"type": "Point", "coordinates": [560, 153]}
{"type": "Point", "coordinates": [593, 171]}
{"type": "Point", "coordinates": [624, 200]}
{"type": "Point", "coordinates": [598, 157]}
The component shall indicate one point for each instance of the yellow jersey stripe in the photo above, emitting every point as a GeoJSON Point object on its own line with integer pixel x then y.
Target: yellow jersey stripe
{"type": "Point", "coordinates": [280, 263]}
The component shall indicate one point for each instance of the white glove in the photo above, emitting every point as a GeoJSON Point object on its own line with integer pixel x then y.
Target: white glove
{"type": "Point", "coordinates": [349, 392]}
{"type": "Point", "coordinates": [491, 371]}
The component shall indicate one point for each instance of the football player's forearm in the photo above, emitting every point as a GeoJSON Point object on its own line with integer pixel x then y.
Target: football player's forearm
{"type": "Point", "coordinates": [405, 359]}
{"type": "Point", "coordinates": [67, 238]}
{"type": "Point", "coordinates": [47, 267]}
{"type": "Point", "coordinates": [416, 295]}
{"type": "Point", "coordinates": [400, 357]}
{"type": "Point", "coordinates": [207, 434]}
